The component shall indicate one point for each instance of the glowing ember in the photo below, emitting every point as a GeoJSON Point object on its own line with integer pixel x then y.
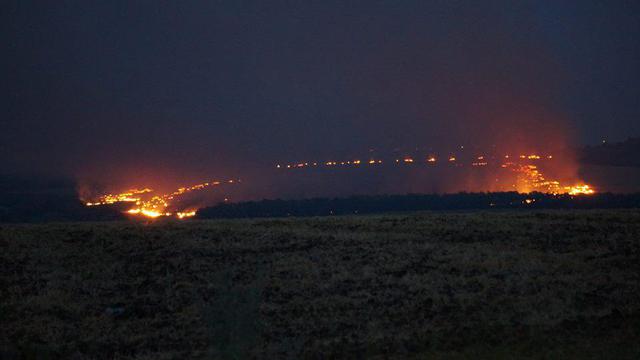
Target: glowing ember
{"type": "Point", "coordinates": [182, 215]}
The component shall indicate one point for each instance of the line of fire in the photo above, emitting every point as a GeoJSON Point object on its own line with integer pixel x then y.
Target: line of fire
{"type": "Point", "coordinates": [527, 168]}
{"type": "Point", "coordinates": [148, 203]}
{"type": "Point", "coordinates": [523, 173]}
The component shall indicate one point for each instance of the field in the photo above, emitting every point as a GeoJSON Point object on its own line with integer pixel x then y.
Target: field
{"type": "Point", "coordinates": [547, 284]}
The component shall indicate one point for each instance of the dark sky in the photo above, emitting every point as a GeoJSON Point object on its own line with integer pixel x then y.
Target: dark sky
{"type": "Point", "coordinates": [185, 87]}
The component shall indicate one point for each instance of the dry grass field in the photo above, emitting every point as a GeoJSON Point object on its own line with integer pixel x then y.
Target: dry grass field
{"type": "Point", "coordinates": [548, 284]}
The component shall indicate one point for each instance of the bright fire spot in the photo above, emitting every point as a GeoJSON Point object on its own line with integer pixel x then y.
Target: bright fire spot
{"type": "Point", "coordinates": [580, 190]}
{"type": "Point", "coordinates": [182, 215]}
{"type": "Point", "coordinates": [147, 213]}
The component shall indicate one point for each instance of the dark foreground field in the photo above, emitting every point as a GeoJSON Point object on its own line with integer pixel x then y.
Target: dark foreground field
{"type": "Point", "coordinates": [478, 285]}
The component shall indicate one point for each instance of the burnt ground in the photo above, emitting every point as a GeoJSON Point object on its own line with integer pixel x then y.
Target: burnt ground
{"type": "Point", "coordinates": [548, 284]}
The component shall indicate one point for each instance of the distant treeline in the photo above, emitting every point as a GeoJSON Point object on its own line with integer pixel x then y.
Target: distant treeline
{"type": "Point", "coordinates": [415, 202]}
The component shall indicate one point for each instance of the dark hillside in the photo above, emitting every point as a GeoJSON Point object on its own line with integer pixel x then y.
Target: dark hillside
{"type": "Point", "coordinates": [416, 202]}
{"type": "Point", "coordinates": [36, 199]}
{"type": "Point", "coordinates": [626, 153]}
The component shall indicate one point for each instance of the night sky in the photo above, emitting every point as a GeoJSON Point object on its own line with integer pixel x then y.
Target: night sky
{"type": "Point", "coordinates": [191, 88]}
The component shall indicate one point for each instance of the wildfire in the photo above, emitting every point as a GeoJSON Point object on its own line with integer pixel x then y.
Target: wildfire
{"type": "Point", "coordinates": [580, 189]}
{"type": "Point", "coordinates": [157, 205]}
{"type": "Point", "coordinates": [132, 195]}
{"type": "Point", "coordinates": [526, 169]}
{"type": "Point", "coordinates": [529, 177]}
{"type": "Point", "coordinates": [147, 212]}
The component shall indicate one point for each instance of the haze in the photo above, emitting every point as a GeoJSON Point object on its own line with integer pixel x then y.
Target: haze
{"type": "Point", "coordinates": [115, 91]}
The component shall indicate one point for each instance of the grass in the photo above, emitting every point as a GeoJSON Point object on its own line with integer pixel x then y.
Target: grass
{"type": "Point", "coordinates": [552, 284]}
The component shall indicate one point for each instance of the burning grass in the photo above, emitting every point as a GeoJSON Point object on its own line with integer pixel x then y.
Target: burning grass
{"type": "Point", "coordinates": [147, 203]}
{"type": "Point", "coordinates": [538, 284]}
{"type": "Point", "coordinates": [523, 173]}
{"type": "Point", "coordinates": [527, 176]}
